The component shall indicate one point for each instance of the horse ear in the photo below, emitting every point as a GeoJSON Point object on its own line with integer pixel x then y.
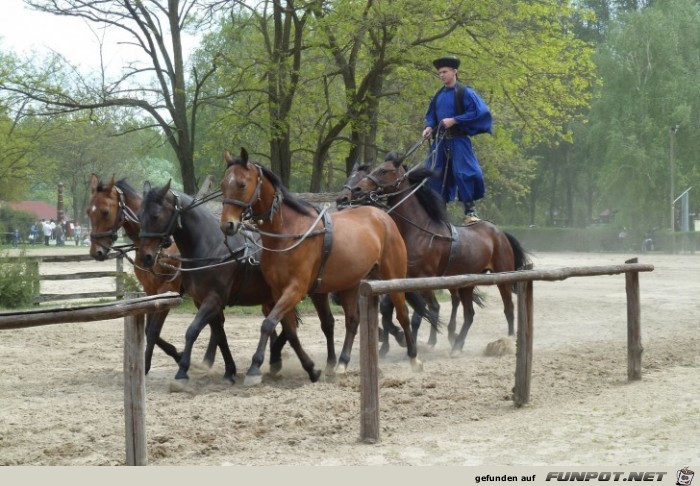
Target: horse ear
{"type": "Point", "coordinates": [146, 188]}
{"type": "Point", "coordinates": [244, 155]}
{"type": "Point", "coordinates": [166, 188]}
{"type": "Point", "coordinates": [228, 158]}
{"type": "Point", "coordinates": [94, 182]}
{"type": "Point", "coordinates": [111, 184]}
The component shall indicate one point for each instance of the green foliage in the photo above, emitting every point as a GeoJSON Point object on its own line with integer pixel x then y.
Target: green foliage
{"type": "Point", "coordinates": [649, 63]}
{"type": "Point", "coordinates": [131, 284]}
{"type": "Point", "coordinates": [19, 281]}
{"type": "Point", "coordinates": [11, 220]}
{"type": "Point", "coordinates": [366, 78]}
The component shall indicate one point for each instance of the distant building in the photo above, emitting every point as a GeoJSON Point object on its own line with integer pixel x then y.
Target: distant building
{"type": "Point", "coordinates": [40, 209]}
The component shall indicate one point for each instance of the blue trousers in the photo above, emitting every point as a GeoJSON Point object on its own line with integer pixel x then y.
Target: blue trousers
{"type": "Point", "coordinates": [463, 179]}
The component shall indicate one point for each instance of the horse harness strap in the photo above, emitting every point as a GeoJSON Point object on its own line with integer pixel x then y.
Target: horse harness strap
{"type": "Point", "coordinates": [454, 237]}
{"type": "Point", "coordinates": [247, 262]}
{"type": "Point", "coordinates": [327, 246]}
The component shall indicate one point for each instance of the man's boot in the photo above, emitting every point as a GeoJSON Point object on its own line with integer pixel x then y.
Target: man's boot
{"type": "Point", "coordinates": [470, 213]}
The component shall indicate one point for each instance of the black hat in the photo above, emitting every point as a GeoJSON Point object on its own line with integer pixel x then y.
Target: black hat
{"type": "Point", "coordinates": [450, 62]}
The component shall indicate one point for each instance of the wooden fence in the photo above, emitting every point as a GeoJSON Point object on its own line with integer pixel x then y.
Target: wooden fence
{"type": "Point", "coordinates": [133, 311]}
{"type": "Point", "coordinates": [371, 289]}
{"type": "Point", "coordinates": [118, 274]}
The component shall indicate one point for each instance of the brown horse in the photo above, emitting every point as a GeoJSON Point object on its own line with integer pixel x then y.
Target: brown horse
{"type": "Point", "coordinates": [344, 200]}
{"type": "Point", "coordinates": [217, 271]}
{"type": "Point", "coordinates": [115, 205]}
{"type": "Point", "coordinates": [434, 246]}
{"type": "Point", "coordinates": [307, 251]}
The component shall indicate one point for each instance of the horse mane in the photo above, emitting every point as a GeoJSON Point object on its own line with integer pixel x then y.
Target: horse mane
{"type": "Point", "coordinates": [297, 204]}
{"type": "Point", "coordinates": [124, 186]}
{"type": "Point", "coordinates": [430, 200]}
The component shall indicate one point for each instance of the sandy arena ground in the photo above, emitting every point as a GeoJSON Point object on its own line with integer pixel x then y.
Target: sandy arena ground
{"type": "Point", "coordinates": [62, 396]}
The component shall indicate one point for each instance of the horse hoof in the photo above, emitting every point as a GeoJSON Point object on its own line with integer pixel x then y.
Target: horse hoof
{"type": "Point", "coordinates": [252, 380]}
{"type": "Point", "coordinates": [179, 386]}
{"type": "Point", "coordinates": [314, 375]}
{"type": "Point", "coordinates": [416, 365]}
{"type": "Point", "coordinates": [341, 368]}
{"type": "Point", "coordinates": [275, 367]}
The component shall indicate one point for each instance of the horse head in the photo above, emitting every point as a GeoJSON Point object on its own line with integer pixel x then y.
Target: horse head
{"type": "Point", "coordinates": [384, 178]}
{"type": "Point", "coordinates": [240, 188]}
{"type": "Point", "coordinates": [159, 216]}
{"type": "Point", "coordinates": [105, 217]}
{"type": "Point", "coordinates": [345, 199]}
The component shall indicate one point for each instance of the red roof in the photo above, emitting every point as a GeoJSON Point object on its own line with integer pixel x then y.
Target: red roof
{"type": "Point", "coordinates": [40, 209]}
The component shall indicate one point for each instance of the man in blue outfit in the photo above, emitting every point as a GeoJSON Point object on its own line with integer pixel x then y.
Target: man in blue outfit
{"type": "Point", "coordinates": [455, 114]}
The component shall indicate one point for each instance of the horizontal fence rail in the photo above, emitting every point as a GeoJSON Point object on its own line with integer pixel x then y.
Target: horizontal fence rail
{"type": "Point", "coordinates": [378, 287]}
{"type": "Point", "coordinates": [371, 289]}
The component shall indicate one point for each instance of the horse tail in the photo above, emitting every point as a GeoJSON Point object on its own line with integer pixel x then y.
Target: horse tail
{"type": "Point", "coordinates": [520, 255]}
{"type": "Point", "coordinates": [478, 298]}
{"type": "Point", "coordinates": [420, 306]}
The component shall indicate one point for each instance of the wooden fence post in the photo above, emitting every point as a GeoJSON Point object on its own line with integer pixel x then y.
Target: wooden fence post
{"type": "Point", "coordinates": [369, 369]}
{"type": "Point", "coordinates": [634, 333]}
{"type": "Point", "coordinates": [120, 276]}
{"type": "Point", "coordinates": [523, 357]}
{"type": "Point", "coordinates": [135, 388]}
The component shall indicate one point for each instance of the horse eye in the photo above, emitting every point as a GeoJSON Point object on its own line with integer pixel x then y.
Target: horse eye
{"type": "Point", "coordinates": [241, 184]}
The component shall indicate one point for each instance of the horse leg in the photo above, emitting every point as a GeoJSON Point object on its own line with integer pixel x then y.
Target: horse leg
{"type": "Point", "coordinates": [508, 308]}
{"type": "Point", "coordinates": [154, 325]}
{"type": "Point", "coordinates": [210, 353]}
{"type": "Point", "coordinates": [418, 311]}
{"type": "Point", "coordinates": [434, 309]}
{"type": "Point", "coordinates": [283, 307]}
{"type": "Point", "coordinates": [452, 326]}
{"type": "Point", "coordinates": [399, 300]}
{"type": "Point", "coordinates": [289, 323]}
{"type": "Point", "coordinates": [384, 339]}
{"type": "Point", "coordinates": [466, 296]}
{"type": "Point", "coordinates": [254, 374]}
{"type": "Point", "coordinates": [277, 342]}
{"type": "Point", "coordinates": [206, 313]}
{"type": "Point", "coordinates": [323, 309]}
{"type": "Point", "coordinates": [352, 320]}
{"type": "Point", "coordinates": [386, 309]}
{"type": "Point", "coordinates": [218, 335]}
{"type": "Point", "coordinates": [276, 345]}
